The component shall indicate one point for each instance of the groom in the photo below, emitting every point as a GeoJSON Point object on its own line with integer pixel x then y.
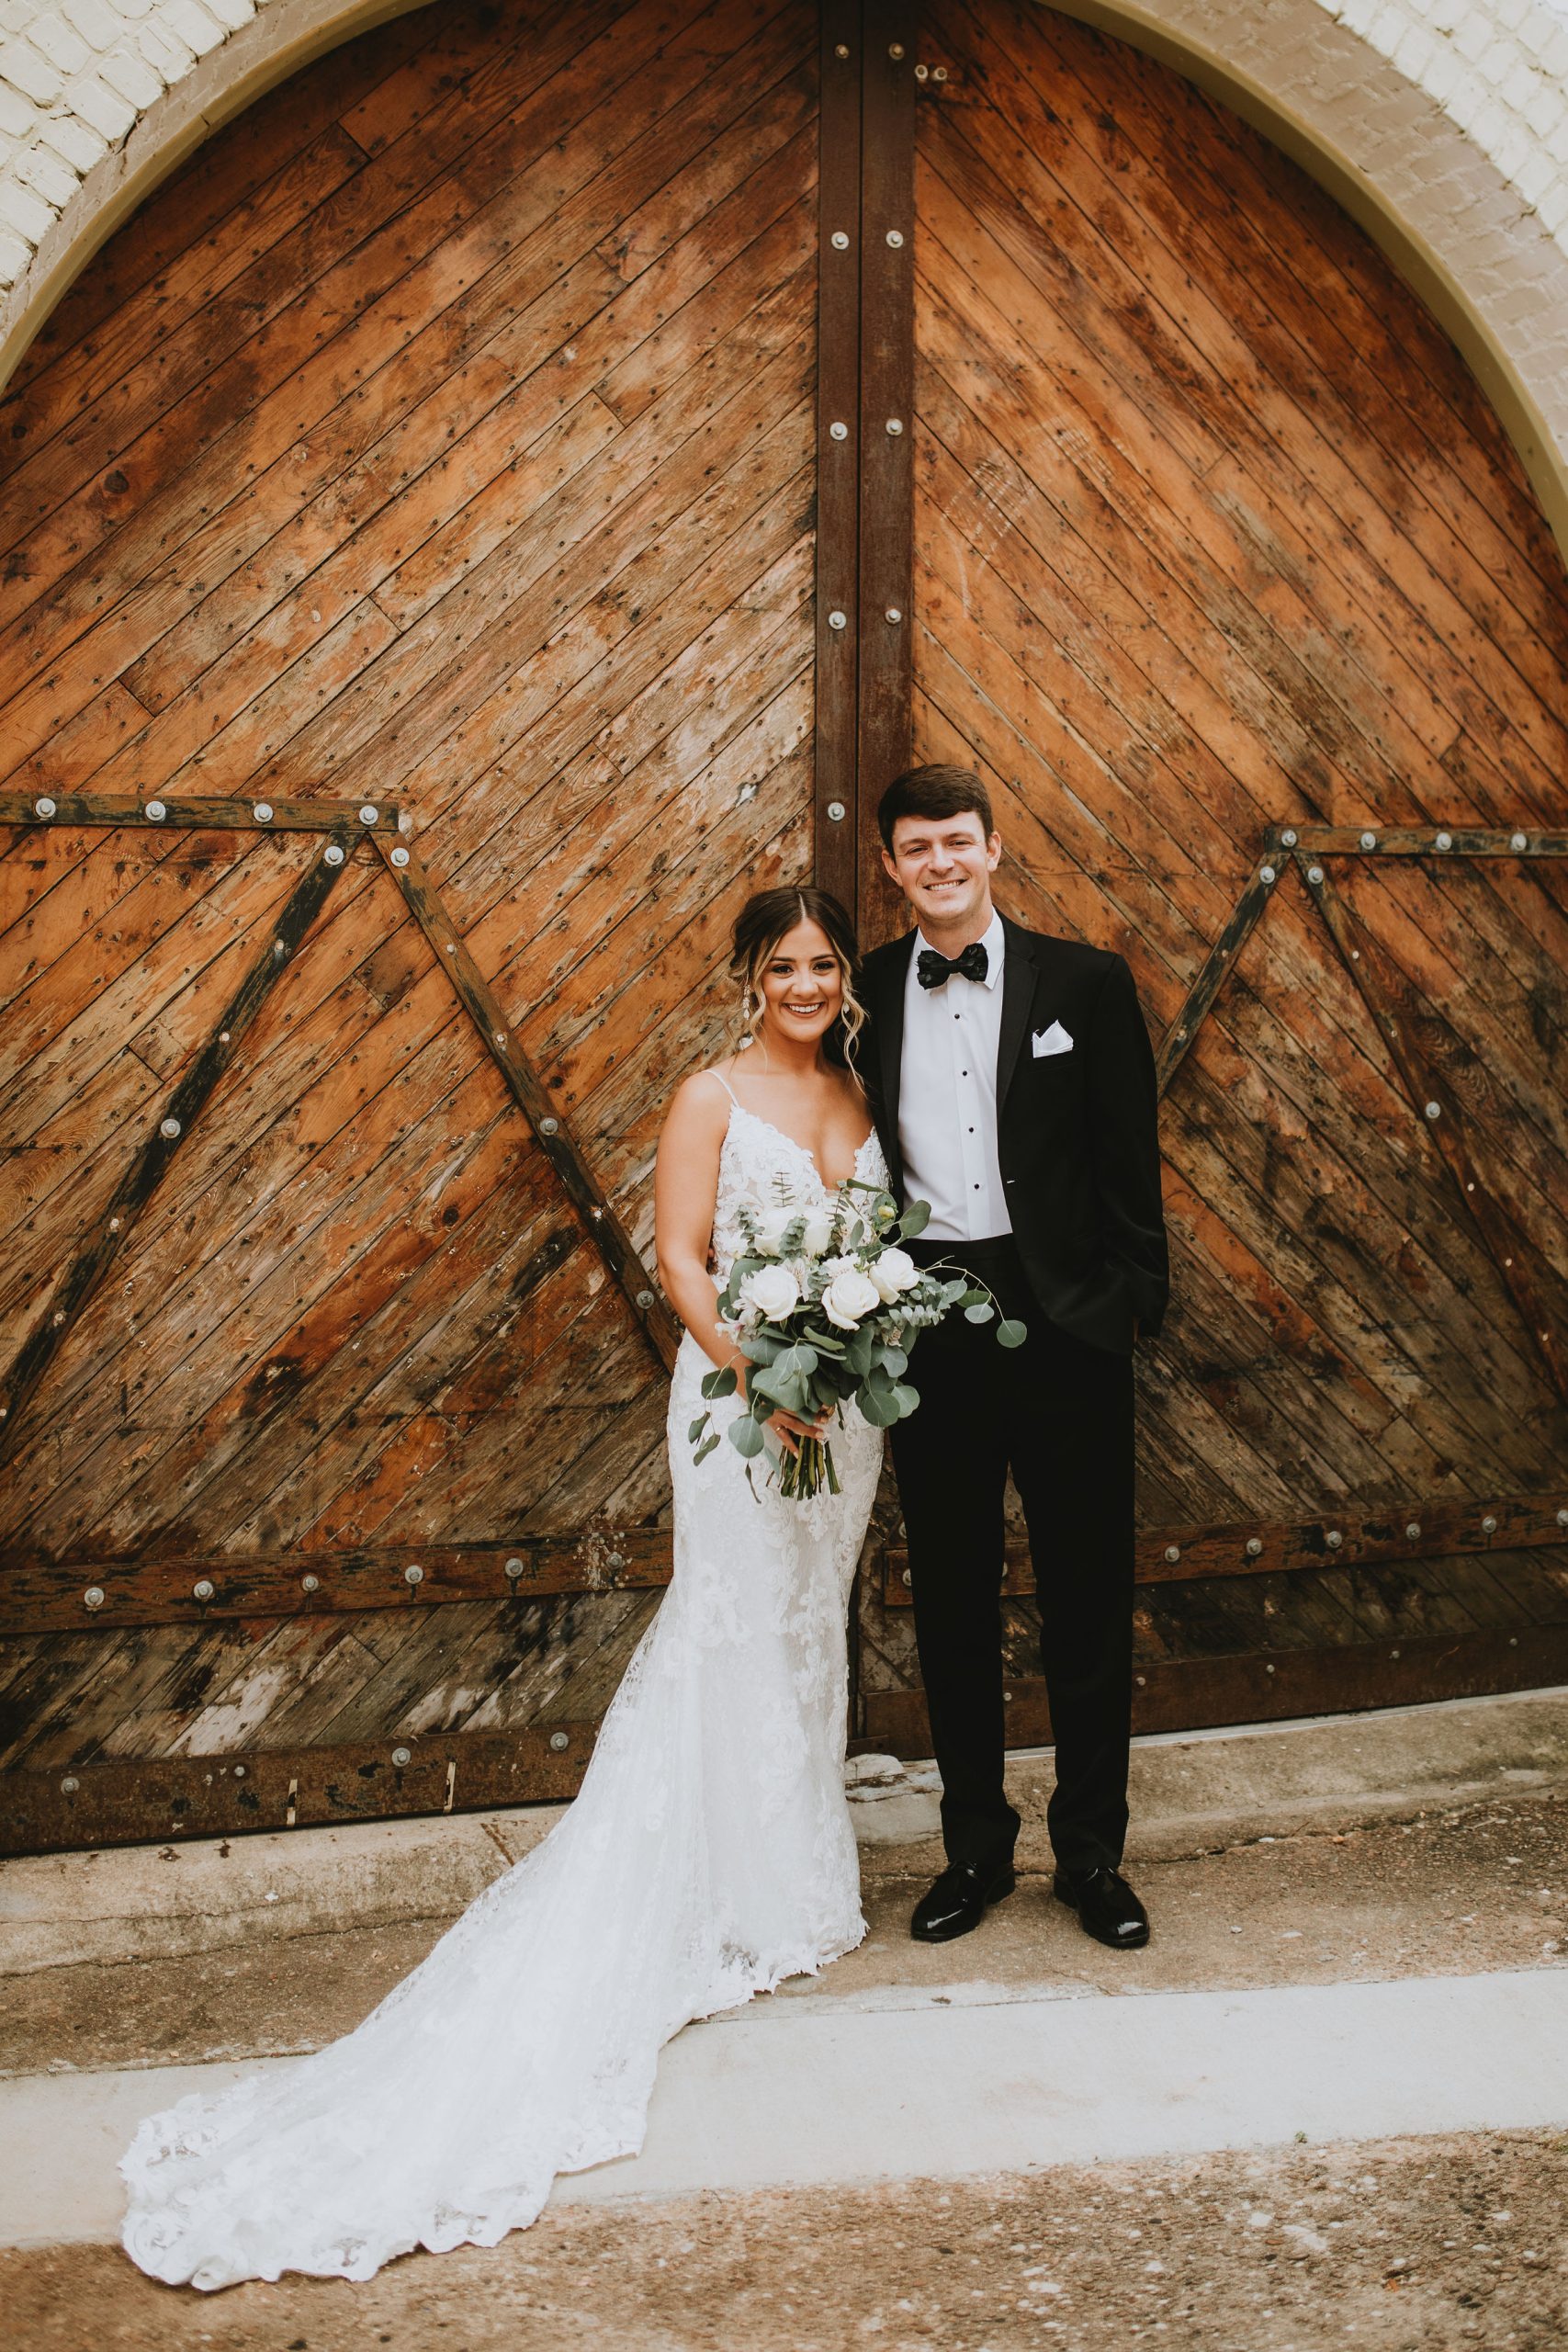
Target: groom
{"type": "Point", "coordinates": [1014, 1089]}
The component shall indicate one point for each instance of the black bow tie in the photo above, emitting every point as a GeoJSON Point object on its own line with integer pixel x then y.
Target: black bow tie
{"type": "Point", "coordinates": [933, 969]}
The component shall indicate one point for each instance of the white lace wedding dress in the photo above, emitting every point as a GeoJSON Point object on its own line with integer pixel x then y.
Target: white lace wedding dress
{"type": "Point", "coordinates": [709, 1856]}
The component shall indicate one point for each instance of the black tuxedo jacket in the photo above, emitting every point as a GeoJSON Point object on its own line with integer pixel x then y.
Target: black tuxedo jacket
{"type": "Point", "coordinates": [1076, 1133]}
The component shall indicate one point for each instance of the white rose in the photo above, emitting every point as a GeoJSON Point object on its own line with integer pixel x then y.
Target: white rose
{"type": "Point", "coordinates": [771, 1291]}
{"type": "Point", "coordinates": [771, 1225]}
{"type": "Point", "coordinates": [818, 1232]}
{"type": "Point", "coordinates": [850, 1295]}
{"type": "Point", "coordinates": [895, 1273]}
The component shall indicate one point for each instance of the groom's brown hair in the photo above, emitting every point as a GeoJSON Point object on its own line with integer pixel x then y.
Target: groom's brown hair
{"type": "Point", "coordinates": [935, 791]}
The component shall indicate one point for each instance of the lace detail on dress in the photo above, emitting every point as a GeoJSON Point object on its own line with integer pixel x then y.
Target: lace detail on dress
{"type": "Point", "coordinates": [709, 1856]}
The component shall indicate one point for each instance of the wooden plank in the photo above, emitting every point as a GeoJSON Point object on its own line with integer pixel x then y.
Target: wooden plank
{"type": "Point", "coordinates": [83, 1277]}
{"type": "Point", "coordinates": [885, 622]}
{"type": "Point", "coordinates": [1442, 1527]}
{"type": "Point", "coordinates": [1189, 1695]}
{"type": "Point", "coordinates": [131, 1803]}
{"type": "Point", "coordinates": [836, 841]}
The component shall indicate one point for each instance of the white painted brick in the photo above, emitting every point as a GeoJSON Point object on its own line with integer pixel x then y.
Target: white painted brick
{"type": "Point", "coordinates": [14, 256]}
{"type": "Point", "coordinates": [65, 49]}
{"type": "Point", "coordinates": [28, 214]}
{"type": "Point", "coordinates": [1471, 36]}
{"type": "Point", "coordinates": [1556, 145]}
{"type": "Point", "coordinates": [1414, 53]}
{"type": "Point", "coordinates": [21, 65]}
{"type": "Point", "coordinates": [193, 24]}
{"type": "Point", "coordinates": [99, 27]}
{"type": "Point", "coordinates": [108, 112]}
{"type": "Point", "coordinates": [164, 51]}
{"type": "Point", "coordinates": [47, 177]}
{"type": "Point", "coordinates": [130, 75]}
{"type": "Point", "coordinates": [75, 140]}
{"type": "Point", "coordinates": [232, 13]}
{"type": "Point", "coordinates": [17, 115]}
{"type": "Point", "coordinates": [1553, 207]}
{"type": "Point", "coordinates": [16, 16]}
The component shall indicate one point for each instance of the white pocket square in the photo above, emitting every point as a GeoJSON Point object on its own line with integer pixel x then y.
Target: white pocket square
{"type": "Point", "coordinates": [1055, 1040]}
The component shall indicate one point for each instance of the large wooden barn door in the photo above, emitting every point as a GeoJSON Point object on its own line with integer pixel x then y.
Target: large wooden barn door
{"type": "Point", "coordinates": [407, 664]}
{"type": "Point", "coordinates": [1222, 573]}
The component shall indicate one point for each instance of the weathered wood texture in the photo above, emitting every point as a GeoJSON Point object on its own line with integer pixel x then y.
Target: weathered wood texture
{"type": "Point", "coordinates": [1214, 532]}
{"type": "Point", "coordinates": [442, 436]}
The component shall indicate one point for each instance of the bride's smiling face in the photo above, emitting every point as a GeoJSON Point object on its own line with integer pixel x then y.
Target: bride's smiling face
{"type": "Point", "coordinates": [801, 985]}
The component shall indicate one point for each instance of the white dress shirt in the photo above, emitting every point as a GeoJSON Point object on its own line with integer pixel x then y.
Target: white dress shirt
{"type": "Point", "coordinates": [947, 1097]}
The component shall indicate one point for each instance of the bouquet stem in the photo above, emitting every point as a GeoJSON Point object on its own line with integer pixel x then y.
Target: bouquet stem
{"type": "Point", "coordinates": [804, 1475]}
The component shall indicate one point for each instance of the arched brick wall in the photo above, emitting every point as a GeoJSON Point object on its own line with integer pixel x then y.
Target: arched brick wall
{"type": "Point", "coordinates": [1442, 124]}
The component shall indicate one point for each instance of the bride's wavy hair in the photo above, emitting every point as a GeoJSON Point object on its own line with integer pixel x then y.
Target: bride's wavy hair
{"type": "Point", "coordinates": [763, 921]}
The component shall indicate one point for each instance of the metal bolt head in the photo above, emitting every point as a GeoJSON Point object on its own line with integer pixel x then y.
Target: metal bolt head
{"type": "Point", "coordinates": [1314, 874]}
{"type": "Point", "coordinates": [43, 806]}
{"type": "Point", "coordinates": [645, 1300]}
{"type": "Point", "coordinates": [840, 49]}
{"type": "Point", "coordinates": [309, 1584]}
{"type": "Point", "coordinates": [922, 72]}
{"type": "Point", "coordinates": [893, 615]}
{"type": "Point", "coordinates": [906, 1578]}
{"type": "Point", "coordinates": [69, 1786]}
{"type": "Point", "coordinates": [1333, 1539]}
{"type": "Point", "coordinates": [413, 1575]}
{"type": "Point", "coordinates": [838, 430]}
{"type": "Point", "coordinates": [1253, 1545]}
{"type": "Point", "coordinates": [616, 1562]}
{"type": "Point", "coordinates": [1518, 840]}
{"type": "Point", "coordinates": [838, 620]}
{"type": "Point", "coordinates": [169, 1128]}
{"type": "Point", "coordinates": [895, 238]}
{"type": "Point", "coordinates": [515, 1569]}
{"type": "Point", "coordinates": [1173, 1553]}
{"type": "Point", "coordinates": [399, 857]}
{"type": "Point", "coordinates": [1413, 1530]}
{"type": "Point", "coordinates": [839, 240]}
{"type": "Point", "coordinates": [1489, 1525]}
{"type": "Point", "coordinates": [114, 1224]}
{"type": "Point", "coordinates": [262, 812]}
{"type": "Point", "coordinates": [156, 810]}
{"type": "Point", "coordinates": [1444, 841]}
{"type": "Point", "coordinates": [1562, 1518]}
{"type": "Point", "coordinates": [895, 50]}
{"type": "Point", "coordinates": [1267, 874]}
{"type": "Point", "coordinates": [1368, 841]}
{"type": "Point", "coordinates": [1290, 837]}
{"type": "Point", "coordinates": [369, 814]}
{"type": "Point", "coordinates": [332, 854]}
{"type": "Point", "coordinates": [1268, 1670]}
{"type": "Point", "coordinates": [59, 1316]}
{"type": "Point", "coordinates": [203, 1588]}
{"type": "Point", "coordinates": [895, 426]}
{"type": "Point", "coordinates": [1433, 1110]}
{"type": "Point", "coordinates": [239, 1771]}
{"type": "Point", "coordinates": [836, 812]}
{"type": "Point", "coordinates": [549, 1126]}
{"type": "Point", "coordinates": [559, 1740]}
{"type": "Point", "coordinates": [93, 1597]}
{"type": "Point", "coordinates": [402, 1755]}
{"type": "Point", "coordinates": [939, 72]}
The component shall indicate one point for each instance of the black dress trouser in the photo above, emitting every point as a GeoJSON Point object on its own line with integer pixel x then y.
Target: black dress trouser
{"type": "Point", "coordinates": [1058, 1413]}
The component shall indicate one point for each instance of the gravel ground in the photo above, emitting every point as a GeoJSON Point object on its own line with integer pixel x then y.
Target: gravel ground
{"type": "Point", "coordinates": [1412, 2245]}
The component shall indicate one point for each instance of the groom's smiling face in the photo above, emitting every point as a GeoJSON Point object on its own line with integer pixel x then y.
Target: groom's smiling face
{"type": "Point", "coordinates": [944, 866]}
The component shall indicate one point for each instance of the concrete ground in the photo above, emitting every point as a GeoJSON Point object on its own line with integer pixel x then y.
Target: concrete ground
{"type": "Point", "coordinates": [1385, 1957]}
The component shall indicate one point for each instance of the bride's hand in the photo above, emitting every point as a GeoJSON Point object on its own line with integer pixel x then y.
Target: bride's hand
{"type": "Point", "coordinates": [791, 1428]}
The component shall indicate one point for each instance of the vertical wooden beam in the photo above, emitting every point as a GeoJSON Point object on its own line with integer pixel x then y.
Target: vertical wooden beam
{"type": "Point", "coordinates": [887, 419]}
{"type": "Point", "coordinates": [145, 1173]}
{"type": "Point", "coordinates": [838, 448]}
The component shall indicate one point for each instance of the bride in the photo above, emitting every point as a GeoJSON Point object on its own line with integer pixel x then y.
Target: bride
{"type": "Point", "coordinates": [709, 1853]}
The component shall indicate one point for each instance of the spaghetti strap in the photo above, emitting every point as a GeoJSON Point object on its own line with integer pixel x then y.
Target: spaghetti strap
{"type": "Point", "coordinates": [714, 1071]}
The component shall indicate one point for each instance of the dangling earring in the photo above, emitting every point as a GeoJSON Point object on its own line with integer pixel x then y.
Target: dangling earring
{"type": "Point", "coordinates": [750, 1009]}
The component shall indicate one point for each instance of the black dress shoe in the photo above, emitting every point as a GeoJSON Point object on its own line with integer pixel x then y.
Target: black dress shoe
{"type": "Point", "coordinates": [1107, 1907]}
{"type": "Point", "coordinates": [957, 1901]}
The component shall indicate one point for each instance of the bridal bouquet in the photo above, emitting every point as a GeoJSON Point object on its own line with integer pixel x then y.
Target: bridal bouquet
{"type": "Point", "coordinates": [827, 1307]}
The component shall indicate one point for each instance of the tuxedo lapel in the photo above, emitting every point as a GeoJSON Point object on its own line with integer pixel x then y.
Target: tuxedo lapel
{"type": "Point", "coordinates": [887, 1014]}
{"type": "Point", "coordinates": [1020, 972]}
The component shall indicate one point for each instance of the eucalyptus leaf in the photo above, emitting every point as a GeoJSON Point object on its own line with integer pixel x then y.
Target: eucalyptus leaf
{"type": "Point", "coordinates": [698, 1426]}
{"type": "Point", "coordinates": [796, 1358]}
{"type": "Point", "coordinates": [760, 1347]}
{"type": "Point", "coordinates": [981, 1314]}
{"type": "Point", "coordinates": [706, 1448]}
{"type": "Point", "coordinates": [915, 1219]}
{"type": "Point", "coordinates": [974, 1298]}
{"type": "Point", "coordinates": [1012, 1335]}
{"type": "Point", "coordinates": [880, 1407]}
{"type": "Point", "coordinates": [721, 1381]}
{"type": "Point", "coordinates": [859, 1354]}
{"type": "Point", "coordinates": [905, 1398]}
{"type": "Point", "coordinates": [895, 1359]}
{"type": "Point", "coordinates": [746, 1436]}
